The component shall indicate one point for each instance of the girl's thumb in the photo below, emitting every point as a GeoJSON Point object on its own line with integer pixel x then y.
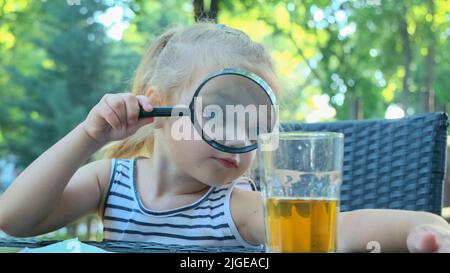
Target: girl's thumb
{"type": "Point", "coordinates": [145, 121]}
{"type": "Point", "coordinates": [422, 241]}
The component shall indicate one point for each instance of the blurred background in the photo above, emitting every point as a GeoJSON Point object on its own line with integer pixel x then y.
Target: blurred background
{"type": "Point", "coordinates": [336, 59]}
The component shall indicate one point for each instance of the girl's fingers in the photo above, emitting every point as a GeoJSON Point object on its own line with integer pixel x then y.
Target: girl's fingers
{"type": "Point", "coordinates": [110, 116]}
{"type": "Point", "coordinates": [144, 102]}
{"type": "Point", "coordinates": [122, 111]}
{"type": "Point", "coordinates": [429, 242]}
{"type": "Point", "coordinates": [424, 239]}
{"type": "Point", "coordinates": [444, 247]}
{"type": "Point", "coordinates": [117, 104]}
{"type": "Point", "coordinates": [145, 121]}
{"type": "Point", "coordinates": [132, 108]}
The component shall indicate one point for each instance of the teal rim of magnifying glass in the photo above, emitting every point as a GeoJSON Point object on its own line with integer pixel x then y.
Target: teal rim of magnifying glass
{"type": "Point", "coordinates": [240, 72]}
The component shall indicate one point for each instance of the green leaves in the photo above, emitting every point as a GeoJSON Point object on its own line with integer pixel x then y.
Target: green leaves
{"type": "Point", "coordinates": [351, 51]}
{"type": "Point", "coordinates": [336, 59]}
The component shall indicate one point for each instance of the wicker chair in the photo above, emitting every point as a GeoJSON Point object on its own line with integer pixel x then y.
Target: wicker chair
{"type": "Point", "coordinates": [397, 164]}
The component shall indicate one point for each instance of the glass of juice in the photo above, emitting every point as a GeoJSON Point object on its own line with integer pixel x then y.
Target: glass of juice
{"type": "Point", "coordinates": [300, 182]}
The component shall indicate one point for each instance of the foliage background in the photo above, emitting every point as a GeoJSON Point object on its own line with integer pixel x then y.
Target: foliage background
{"type": "Point", "coordinates": [340, 59]}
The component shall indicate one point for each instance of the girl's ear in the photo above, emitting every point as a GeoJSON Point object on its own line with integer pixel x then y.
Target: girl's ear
{"type": "Point", "coordinates": [149, 92]}
{"type": "Point", "coordinates": [154, 97]}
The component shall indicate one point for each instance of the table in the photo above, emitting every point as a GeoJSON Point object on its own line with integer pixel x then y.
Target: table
{"type": "Point", "coordinates": [16, 245]}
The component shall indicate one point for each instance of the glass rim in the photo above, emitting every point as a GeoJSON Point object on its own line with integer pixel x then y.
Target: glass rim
{"type": "Point", "coordinates": [305, 135]}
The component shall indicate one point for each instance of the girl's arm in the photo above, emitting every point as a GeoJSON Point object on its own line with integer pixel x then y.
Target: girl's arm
{"type": "Point", "coordinates": [360, 230]}
{"type": "Point", "coordinates": [47, 194]}
{"type": "Point", "coordinates": [247, 212]}
{"type": "Point", "coordinates": [388, 230]}
{"type": "Point", "coordinates": [51, 192]}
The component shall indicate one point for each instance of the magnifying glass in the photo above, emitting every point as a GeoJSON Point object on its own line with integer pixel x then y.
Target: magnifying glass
{"type": "Point", "coordinates": [229, 109]}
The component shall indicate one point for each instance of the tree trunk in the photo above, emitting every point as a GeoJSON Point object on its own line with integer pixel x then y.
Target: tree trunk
{"type": "Point", "coordinates": [447, 182]}
{"type": "Point", "coordinates": [428, 96]}
{"type": "Point", "coordinates": [356, 109]}
{"type": "Point", "coordinates": [210, 15]}
{"type": "Point", "coordinates": [407, 57]}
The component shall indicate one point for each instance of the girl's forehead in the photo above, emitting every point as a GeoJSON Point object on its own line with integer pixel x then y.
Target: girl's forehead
{"type": "Point", "coordinates": [197, 78]}
{"type": "Point", "coordinates": [187, 94]}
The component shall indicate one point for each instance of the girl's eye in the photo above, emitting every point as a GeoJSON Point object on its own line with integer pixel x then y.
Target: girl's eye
{"type": "Point", "coordinates": [213, 114]}
{"type": "Point", "coordinates": [209, 115]}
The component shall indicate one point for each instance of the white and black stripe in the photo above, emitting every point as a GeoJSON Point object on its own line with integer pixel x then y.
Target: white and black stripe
{"type": "Point", "coordinates": [206, 222]}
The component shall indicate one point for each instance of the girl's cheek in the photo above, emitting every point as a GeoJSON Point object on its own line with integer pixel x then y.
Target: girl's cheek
{"type": "Point", "coordinates": [247, 161]}
{"type": "Point", "coordinates": [249, 157]}
{"type": "Point", "coordinates": [181, 129]}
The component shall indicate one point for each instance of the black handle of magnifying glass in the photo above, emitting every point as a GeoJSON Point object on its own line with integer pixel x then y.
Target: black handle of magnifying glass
{"type": "Point", "coordinates": [161, 112]}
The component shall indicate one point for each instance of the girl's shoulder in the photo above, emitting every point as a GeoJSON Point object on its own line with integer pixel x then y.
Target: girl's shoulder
{"type": "Point", "coordinates": [245, 183]}
{"type": "Point", "coordinates": [105, 169]}
{"type": "Point", "coordinates": [247, 211]}
{"type": "Point", "coordinates": [101, 168]}
{"type": "Point", "coordinates": [117, 164]}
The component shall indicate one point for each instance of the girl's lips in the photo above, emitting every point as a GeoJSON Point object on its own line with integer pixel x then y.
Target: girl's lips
{"type": "Point", "coordinates": [226, 162]}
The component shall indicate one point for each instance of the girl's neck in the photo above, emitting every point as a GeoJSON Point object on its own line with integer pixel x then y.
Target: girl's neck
{"type": "Point", "coordinates": [167, 179]}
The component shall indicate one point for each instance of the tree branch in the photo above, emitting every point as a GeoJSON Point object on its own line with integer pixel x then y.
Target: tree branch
{"type": "Point", "coordinates": [200, 13]}
{"type": "Point", "coordinates": [407, 54]}
{"type": "Point", "coordinates": [428, 102]}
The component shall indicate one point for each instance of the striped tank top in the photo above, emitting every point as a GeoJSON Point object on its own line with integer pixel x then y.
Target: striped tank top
{"type": "Point", "coordinates": [206, 222]}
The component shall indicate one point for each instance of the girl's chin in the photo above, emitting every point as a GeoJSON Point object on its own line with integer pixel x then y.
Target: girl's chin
{"type": "Point", "coordinates": [217, 180]}
{"type": "Point", "coordinates": [215, 175]}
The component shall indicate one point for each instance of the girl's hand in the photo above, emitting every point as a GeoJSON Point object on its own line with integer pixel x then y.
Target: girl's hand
{"type": "Point", "coordinates": [116, 117]}
{"type": "Point", "coordinates": [429, 238]}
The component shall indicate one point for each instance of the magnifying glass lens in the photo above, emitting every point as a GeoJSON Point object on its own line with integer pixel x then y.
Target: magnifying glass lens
{"type": "Point", "coordinates": [230, 110]}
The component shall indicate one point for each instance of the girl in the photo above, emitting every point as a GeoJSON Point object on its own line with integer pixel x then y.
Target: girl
{"type": "Point", "coordinates": [155, 189]}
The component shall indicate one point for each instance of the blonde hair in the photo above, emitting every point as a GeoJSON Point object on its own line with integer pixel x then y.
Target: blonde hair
{"type": "Point", "coordinates": [169, 64]}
